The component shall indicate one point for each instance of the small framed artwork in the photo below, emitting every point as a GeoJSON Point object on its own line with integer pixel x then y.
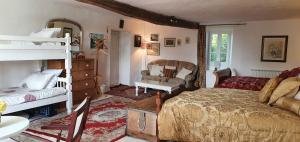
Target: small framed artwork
{"type": "Point", "coordinates": [154, 49]}
{"type": "Point", "coordinates": [94, 38]}
{"type": "Point", "coordinates": [178, 42]}
{"type": "Point", "coordinates": [69, 31]}
{"type": "Point", "coordinates": [137, 40]}
{"type": "Point", "coordinates": [170, 42]}
{"type": "Point", "coordinates": [187, 40]}
{"type": "Point", "coordinates": [154, 37]}
{"type": "Point", "coordinates": [274, 48]}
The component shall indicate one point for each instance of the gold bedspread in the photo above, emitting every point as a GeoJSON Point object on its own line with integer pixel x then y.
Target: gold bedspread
{"type": "Point", "coordinates": [225, 115]}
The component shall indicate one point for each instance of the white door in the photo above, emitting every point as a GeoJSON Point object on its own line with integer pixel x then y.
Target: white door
{"type": "Point", "coordinates": [114, 58]}
{"type": "Point", "coordinates": [125, 58]}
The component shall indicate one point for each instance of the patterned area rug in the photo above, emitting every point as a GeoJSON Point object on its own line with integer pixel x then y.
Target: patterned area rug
{"type": "Point", "coordinates": [106, 122]}
{"type": "Point", "coordinates": [129, 92]}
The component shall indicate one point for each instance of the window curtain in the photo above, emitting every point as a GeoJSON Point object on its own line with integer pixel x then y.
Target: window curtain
{"type": "Point", "coordinates": [201, 57]}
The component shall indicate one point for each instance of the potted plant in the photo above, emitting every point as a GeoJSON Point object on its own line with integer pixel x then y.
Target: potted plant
{"type": "Point", "coordinates": [2, 108]}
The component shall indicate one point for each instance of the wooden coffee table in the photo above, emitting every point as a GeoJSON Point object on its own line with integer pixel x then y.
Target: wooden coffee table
{"type": "Point", "coordinates": [164, 86]}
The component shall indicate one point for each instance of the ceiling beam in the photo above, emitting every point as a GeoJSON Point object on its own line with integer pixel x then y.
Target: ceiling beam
{"type": "Point", "coordinates": [138, 13]}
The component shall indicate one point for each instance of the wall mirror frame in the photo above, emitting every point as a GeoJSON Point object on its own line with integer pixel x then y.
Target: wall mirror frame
{"type": "Point", "coordinates": [69, 26]}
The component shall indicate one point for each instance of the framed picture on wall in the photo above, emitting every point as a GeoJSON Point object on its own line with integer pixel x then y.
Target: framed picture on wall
{"type": "Point", "coordinates": [274, 48]}
{"type": "Point", "coordinates": [187, 40]}
{"type": "Point", "coordinates": [154, 37]}
{"type": "Point", "coordinates": [137, 40]}
{"type": "Point", "coordinates": [154, 49]}
{"type": "Point", "coordinates": [170, 42]}
{"type": "Point", "coordinates": [94, 38]}
{"type": "Point", "coordinates": [178, 42]}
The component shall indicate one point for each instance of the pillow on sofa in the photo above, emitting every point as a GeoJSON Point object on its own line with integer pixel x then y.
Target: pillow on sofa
{"type": "Point", "coordinates": [268, 89]}
{"type": "Point", "coordinates": [156, 70]}
{"type": "Point", "coordinates": [286, 87]}
{"type": "Point", "coordinates": [37, 81]}
{"type": "Point", "coordinates": [170, 71]}
{"type": "Point", "coordinates": [53, 81]}
{"type": "Point", "coordinates": [183, 73]}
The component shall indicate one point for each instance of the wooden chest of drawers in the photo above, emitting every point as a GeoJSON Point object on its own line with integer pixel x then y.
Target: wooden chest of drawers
{"type": "Point", "coordinates": [83, 76]}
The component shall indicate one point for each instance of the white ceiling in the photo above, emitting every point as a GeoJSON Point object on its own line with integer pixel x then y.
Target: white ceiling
{"type": "Point", "coordinates": [222, 11]}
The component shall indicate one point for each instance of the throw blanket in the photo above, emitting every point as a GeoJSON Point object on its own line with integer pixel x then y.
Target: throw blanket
{"type": "Point", "coordinates": [227, 115]}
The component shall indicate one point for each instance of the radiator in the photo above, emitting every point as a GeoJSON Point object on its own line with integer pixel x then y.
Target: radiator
{"type": "Point", "coordinates": [264, 73]}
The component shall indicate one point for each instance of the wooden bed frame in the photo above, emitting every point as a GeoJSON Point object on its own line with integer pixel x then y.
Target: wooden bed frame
{"type": "Point", "coordinates": [11, 52]}
{"type": "Point", "coordinates": [221, 75]}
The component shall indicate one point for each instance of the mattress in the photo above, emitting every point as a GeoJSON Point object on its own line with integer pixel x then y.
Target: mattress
{"type": "Point", "coordinates": [17, 95]}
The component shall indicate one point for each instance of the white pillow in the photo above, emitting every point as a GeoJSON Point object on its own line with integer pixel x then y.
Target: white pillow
{"type": "Point", "coordinates": [183, 73]}
{"type": "Point", "coordinates": [170, 67]}
{"type": "Point", "coordinates": [37, 81]}
{"type": "Point", "coordinates": [53, 81]}
{"type": "Point", "coordinates": [47, 33]}
{"type": "Point", "coordinates": [157, 70]}
{"type": "Point", "coordinates": [297, 97]}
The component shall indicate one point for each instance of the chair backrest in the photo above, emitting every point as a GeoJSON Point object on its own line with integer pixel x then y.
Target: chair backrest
{"type": "Point", "coordinates": [78, 120]}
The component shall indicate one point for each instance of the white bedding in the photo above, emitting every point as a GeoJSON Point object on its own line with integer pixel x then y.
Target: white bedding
{"type": "Point", "coordinates": [16, 95]}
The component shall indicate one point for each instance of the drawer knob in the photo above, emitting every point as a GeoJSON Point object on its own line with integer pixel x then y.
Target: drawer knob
{"type": "Point", "coordinates": [86, 93]}
{"type": "Point", "coordinates": [86, 75]}
{"type": "Point", "coordinates": [86, 84]}
{"type": "Point", "coordinates": [87, 65]}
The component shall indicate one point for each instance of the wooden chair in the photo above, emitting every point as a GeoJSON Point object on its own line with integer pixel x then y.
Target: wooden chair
{"type": "Point", "coordinates": [77, 124]}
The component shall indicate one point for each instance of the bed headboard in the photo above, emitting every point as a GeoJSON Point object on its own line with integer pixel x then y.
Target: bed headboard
{"type": "Point", "coordinates": [264, 73]}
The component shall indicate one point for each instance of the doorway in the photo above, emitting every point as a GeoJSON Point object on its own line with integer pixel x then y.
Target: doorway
{"type": "Point", "coordinates": [120, 58]}
{"type": "Point", "coordinates": [114, 58]}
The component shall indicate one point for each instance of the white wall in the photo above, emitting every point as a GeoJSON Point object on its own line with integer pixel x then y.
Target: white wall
{"type": "Point", "coordinates": [20, 17]}
{"type": "Point", "coordinates": [247, 45]}
{"type": "Point", "coordinates": [185, 52]}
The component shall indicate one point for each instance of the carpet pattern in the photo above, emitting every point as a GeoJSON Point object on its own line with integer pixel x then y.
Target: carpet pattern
{"type": "Point", "coordinates": [106, 122]}
{"type": "Point", "coordinates": [129, 92]}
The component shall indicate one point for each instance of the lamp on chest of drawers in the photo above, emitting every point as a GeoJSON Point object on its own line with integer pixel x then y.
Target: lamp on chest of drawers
{"type": "Point", "coordinates": [100, 47]}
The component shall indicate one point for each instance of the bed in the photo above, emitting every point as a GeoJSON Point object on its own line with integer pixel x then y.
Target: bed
{"type": "Point", "coordinates": [255, 82]}
{"type": "Point", "coordinates": [222, 114]}
{"type": "Point", "coordinates": [18, 48]}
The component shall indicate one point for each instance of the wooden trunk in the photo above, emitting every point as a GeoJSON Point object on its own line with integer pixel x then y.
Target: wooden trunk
{"type": "Point", "coordinates": [142, 119]}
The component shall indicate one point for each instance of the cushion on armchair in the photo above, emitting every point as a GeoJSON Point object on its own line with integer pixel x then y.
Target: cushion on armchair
{"type": "Point", "coordinates": [183, 73]}
{"type": "Point", "coordinates": [170, 71]}
{"type": "Point", "coordinates": [156, 70]}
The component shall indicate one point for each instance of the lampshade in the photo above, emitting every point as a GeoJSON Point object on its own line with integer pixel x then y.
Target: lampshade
{"type": "Point", "coordinates": [145, 45]}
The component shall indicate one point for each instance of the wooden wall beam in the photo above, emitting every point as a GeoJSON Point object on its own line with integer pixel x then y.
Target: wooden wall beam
{"type": "Point", "coordinates": [138, 13]}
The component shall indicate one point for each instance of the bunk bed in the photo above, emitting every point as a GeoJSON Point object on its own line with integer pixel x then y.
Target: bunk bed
{"type": "Point", "coordinates": [36, 48]}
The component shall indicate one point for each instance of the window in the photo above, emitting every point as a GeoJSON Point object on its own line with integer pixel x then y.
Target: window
{"type": "Point", "coordinates": [219, 45]}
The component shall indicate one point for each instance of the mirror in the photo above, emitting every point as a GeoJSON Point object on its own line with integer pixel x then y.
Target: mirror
{"type": "Point", "coordinates": [71, 27]}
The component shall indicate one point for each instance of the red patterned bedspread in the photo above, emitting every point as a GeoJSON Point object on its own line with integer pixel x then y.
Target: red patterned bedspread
{"type": "Point", "coordinates": [245, 83]}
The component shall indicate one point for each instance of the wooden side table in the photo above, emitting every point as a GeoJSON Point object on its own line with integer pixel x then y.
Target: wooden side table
{"type": "Point", "coordinates": [12, 125]}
